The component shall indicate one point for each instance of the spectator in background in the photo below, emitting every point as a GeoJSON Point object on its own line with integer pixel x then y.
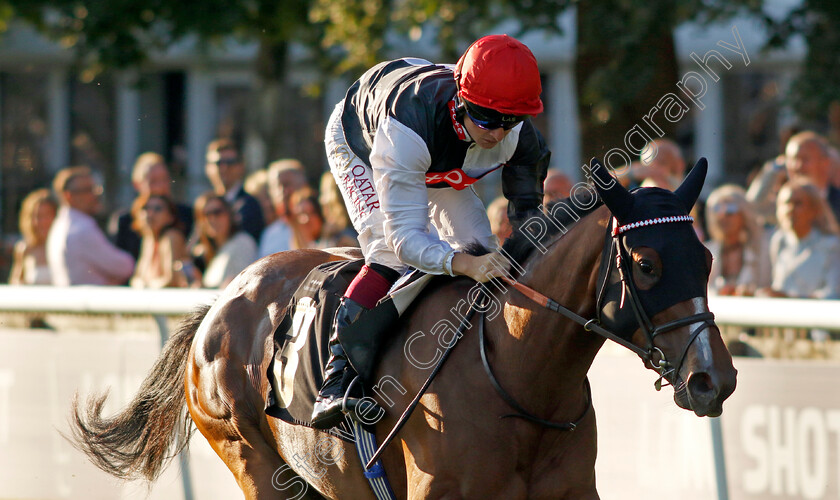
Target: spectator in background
{"type": "Point", "coordinates": [163, 244]}
{"type": "Point", "coordinates": [337, 231]}
{"type": "Point", "coordinates": [557, 186]}
{"type": "Point", "coordinates": [805, 250]}
{"type": "Point", "coordinates": [150, 176]}
{"type": "Point", "coordinates": [256, 184]}
{"type": "Point", "coordinates": [284, 178]}
{"type": "Point", "coordinates": [499, 222]}
{"type": "Point", "coordinates": [29, 262]}
{"type": "Point", "coordinates": [834, 155]}
{"type": "Point", "coordinates": [225, 170]}
{"type": "Point", "coordinates": [808, 158]}
{"type": "Point", "coordinates": [306, 219]}
{"type": "Point", "coordinates": [740, 263]}
{"type": "Point", "coordinates": [77, 250]}
{"type": "Point", "coordinates": [225, 248]}
{"type": "Point", "coordinates": [764, 187]}
{"type": "Point", "coordinates": [662, 165]}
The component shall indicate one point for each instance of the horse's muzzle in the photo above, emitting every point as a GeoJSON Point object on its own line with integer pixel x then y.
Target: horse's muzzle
{"type": "Point", "coordinates": [711, 377]}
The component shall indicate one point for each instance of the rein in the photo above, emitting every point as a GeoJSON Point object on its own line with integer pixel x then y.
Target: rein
{"type": "Point", "coordinates": [647, 353]}
{"type": "Point", "coordinates": [590, 325]}
{"type": "Point", "coordinates": [663, 366]}
{"type": "Point", "coordinates": [523, 413]}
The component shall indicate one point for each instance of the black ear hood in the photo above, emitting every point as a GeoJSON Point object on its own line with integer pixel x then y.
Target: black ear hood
{"type": "Point", "coordinates": [615, 197]}
{"type": "Point", "coordinates": [683, 256]}
{"type": "Point", "coordinates": [624, 206]}
{"type": "Point", "coordinates": [690, 188]}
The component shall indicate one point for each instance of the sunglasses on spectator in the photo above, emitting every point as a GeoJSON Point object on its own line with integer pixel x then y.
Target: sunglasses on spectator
{"type": "Point", "coordinates": [484, 119]}
{"type": "Point", "coordinates": [727, 208]}
{"type": "Point", "coordinates": [97, 190]}
{"type": "Point", "coordinates": [226, 161]}
{"type": "Point", "coordinates": [214, 212]}
{"type": "Point", "coordinates": [153, 208]}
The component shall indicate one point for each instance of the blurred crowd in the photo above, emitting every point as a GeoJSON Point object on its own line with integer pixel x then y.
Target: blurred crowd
{"type": "Point", "coordinates": [776, 236]}
{"type": "Point", "coordinates": [160, 241]}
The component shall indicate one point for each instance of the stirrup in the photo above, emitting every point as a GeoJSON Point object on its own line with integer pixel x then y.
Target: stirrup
{"type": "Point", "coordinates": [369, 404]}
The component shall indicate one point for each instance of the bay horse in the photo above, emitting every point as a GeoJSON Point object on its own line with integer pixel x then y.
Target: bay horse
{"type": "Point", "coordinates": [635, 264]}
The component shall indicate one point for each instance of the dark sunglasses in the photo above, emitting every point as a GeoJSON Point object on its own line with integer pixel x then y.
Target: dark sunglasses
{"type": "Point", "coordinates": [154, 208]}
{"type": "Point", "coordinates": [727, 208]}
{"type": "Point", "coordinates": [215, 212]}
{"type": "Point", "coordinates": [97, 190]}
{"type": "Point", "coordinates": [225, 161]}
{"type": "Point", "coordinates": [507, 122]}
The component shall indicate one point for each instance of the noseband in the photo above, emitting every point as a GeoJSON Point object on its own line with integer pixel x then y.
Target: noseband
{"type": "Point", "coordinates": [706, 319]}
{"type": "Point", "coordinates": [649, 353]}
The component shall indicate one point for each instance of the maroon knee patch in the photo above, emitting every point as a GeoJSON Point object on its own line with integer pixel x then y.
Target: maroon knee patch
{"type": "Point", "coordinates": [368, 287]}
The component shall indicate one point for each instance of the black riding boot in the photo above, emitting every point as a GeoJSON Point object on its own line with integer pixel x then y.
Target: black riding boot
{"type": "Point", "coordinates": [329, 405]}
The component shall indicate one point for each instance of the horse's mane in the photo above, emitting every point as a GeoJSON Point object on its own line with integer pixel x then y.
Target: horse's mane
{"type": "Point", "coordinates": [544, 226]}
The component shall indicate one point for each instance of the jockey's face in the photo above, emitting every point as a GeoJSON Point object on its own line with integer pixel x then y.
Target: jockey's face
{"type": "Point", "coordinates": [486, 139]}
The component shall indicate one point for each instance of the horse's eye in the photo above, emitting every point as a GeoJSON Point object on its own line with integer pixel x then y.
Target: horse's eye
{"type": "Point", "coordinates": [646, 266]}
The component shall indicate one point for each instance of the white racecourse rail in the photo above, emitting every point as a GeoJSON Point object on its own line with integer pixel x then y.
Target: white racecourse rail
{"type": "Point", "coordinates": [779, 436]}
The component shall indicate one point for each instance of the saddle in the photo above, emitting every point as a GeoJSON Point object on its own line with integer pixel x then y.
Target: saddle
{"type": "Point", "coordinates": [296, 371]}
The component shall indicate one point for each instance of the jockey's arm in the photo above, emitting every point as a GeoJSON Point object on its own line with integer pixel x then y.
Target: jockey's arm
{"type": "Point", "coordinates": [522, 179]}
{"type": "Point", "coordinates": [399, 159]}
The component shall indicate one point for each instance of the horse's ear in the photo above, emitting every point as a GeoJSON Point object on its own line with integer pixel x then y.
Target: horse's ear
{"type": "Point", "coordinates": [615, 197]}
{"type": "Point", "coordinates": [690, 188]}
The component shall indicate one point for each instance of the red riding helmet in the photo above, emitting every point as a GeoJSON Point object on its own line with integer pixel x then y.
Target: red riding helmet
{"type": "Point", "coordinates": [500, 73]}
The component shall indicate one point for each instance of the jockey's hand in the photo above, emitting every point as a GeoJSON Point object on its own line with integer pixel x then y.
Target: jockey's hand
{"type": "Point", "coordinates": [481, 268]}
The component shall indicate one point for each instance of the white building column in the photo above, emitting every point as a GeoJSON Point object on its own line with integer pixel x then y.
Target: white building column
{"type": "Point", "coordinates": [564, 140]}
{"type": "Point", "coordinates": [58, 118]}
{"type": "Point", "coordinates": [201, 123]}
{"type": "Point", "coordinates": [128, 135]}
{"type": "Point", "coordinates": [709, 136]}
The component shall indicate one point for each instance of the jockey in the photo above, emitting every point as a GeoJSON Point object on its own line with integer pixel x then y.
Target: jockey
{"type": "Point", "coordinates": [405, 145]}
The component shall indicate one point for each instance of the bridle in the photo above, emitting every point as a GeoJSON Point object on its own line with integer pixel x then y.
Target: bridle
{"type": "Point", "coordinates": [649, 353]}
{"type": "Point", "coordinates": [650, 331]}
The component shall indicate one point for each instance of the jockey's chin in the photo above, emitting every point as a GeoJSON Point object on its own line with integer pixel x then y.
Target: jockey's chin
{"type": "Point", "coordinates": [486, 139]}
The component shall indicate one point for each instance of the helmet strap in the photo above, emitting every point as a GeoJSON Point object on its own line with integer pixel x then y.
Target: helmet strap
{"type": "Point", "coordinates": [460, 108]}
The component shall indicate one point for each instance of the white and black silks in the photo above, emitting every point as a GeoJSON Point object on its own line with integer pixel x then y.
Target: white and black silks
{"type": "Point", "coordinates": [403, 116]}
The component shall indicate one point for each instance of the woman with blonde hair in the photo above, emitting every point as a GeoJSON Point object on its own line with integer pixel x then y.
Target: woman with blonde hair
{"type": "Point", "coordinates": [740, 263]}
{"type": "Point", "coordinates": [224, 247]}
{"type": "Point", "coordinates": [805, 250]}
{"type": "Point", "coordinates": [29, 264]}
{"type": "Point", "coordinates": [163, 246]}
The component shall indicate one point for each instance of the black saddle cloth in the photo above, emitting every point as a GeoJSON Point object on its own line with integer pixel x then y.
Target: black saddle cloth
{"type": "Point", "coordinates": [301, 348]}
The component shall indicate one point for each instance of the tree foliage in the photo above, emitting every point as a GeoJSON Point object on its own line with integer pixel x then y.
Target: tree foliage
{"type": "Point", "coordinates": [626, 61]}
{"type": "Point", "coordinates": [817, 86]}
{"type": "Point", "coordinates": [625, 47]}
{"type": "Point", "coordinates": [343, 36]}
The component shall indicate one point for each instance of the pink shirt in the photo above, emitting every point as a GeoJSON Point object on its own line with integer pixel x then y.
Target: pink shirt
{"type": "Point", "coordinates": [79, 253]}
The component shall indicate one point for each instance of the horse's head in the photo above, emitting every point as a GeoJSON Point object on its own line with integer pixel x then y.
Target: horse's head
{"type": "Point", "coordinates": [654, 277]}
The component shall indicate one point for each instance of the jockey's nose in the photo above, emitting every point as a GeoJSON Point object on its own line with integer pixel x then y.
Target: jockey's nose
{"type": "Point", "coordinates": [498, 134]}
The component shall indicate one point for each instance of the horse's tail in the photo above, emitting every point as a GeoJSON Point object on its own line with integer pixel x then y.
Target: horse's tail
{"type": "Point", "coordinates": [141, 439]}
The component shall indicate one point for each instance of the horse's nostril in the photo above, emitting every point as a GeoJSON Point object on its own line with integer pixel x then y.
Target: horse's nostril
{"type": "Point", "coordinates": [700, 385]}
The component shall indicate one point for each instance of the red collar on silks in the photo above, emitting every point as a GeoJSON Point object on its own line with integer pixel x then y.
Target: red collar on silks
{"type": "Point", "coordinates": [458, 126]}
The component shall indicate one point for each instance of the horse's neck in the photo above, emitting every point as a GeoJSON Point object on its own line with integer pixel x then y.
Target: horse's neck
{"type": "Point", "coordinates": [544, 342]}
